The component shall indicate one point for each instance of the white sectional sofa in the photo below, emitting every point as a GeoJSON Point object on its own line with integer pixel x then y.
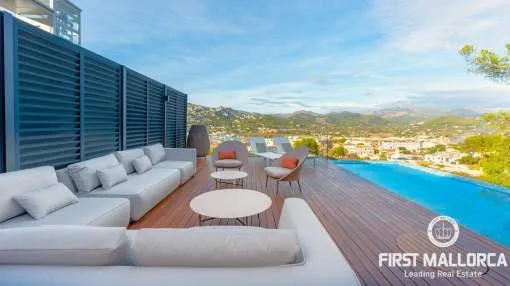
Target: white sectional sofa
{"type": "Point", "coordinates": [315, 258]}
{"type": "Point", "coordinates": [144, 190]}
{"type": "Point", "coordinates": [117, 206]}
{"type": "Point", "coordinates": [87, 211]}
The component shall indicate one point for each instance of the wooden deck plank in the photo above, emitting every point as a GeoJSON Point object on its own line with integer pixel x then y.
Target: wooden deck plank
{"type": "Point", "coordinates": [362, 218]}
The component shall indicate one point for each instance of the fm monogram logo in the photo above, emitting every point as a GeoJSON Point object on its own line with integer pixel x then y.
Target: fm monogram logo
{"type": "Point", "coordinates": [443, 231]}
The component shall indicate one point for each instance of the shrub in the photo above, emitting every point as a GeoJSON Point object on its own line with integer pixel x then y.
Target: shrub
{"type": "Point", "coordinates": [310, 143]}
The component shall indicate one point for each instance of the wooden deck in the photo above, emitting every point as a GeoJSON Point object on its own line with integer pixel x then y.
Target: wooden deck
{"type": "Point", "coordinates": [363, 219]}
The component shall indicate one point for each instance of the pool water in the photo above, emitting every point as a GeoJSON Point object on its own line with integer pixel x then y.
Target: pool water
{"type": "Point", "coordinates": [481, 207]}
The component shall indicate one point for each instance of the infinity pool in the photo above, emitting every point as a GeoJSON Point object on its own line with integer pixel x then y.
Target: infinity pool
{"type": "Point", "coordinates": [481, 207]}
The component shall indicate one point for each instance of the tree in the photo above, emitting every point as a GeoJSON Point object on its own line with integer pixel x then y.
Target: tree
{"type": "Point", "coordinates": [469, 160]}
{"type": "Point", "coordinates": [496, 165]}
{"type": "Point", "coordinates": [310, 143]}
{"type": "Point", "coordinates": [435, 149]}
{"type": "Point", "coordinates": [404, 150]}
{"type": "Point", "coordinates": [495, 149]}
{"type": "Point", "coordinates": [481, 144]}
{"type": "Point", "coordinates": [488, 63]}
{"type": "Point", "coordinates": [337, 152]}
{"type": "Point", "coordinates": [499, 121]}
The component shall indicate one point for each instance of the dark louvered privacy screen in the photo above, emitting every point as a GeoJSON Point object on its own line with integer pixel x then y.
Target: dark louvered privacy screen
{"type": "Point", "coordinates": [63, 104]}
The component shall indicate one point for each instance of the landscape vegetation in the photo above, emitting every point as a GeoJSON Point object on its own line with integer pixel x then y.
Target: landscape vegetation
{"type": "Point", "coordinates": [484, 139]}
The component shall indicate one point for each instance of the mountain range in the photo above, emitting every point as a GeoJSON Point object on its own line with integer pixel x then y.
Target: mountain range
{"type": "Point", "coordinates": [395, 121]}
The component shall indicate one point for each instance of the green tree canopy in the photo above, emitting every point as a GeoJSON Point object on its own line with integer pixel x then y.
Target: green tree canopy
{"type": "Point", "coordinates": [479, 144]}
{"type": "Point", "coordinates": [500, 121]}
{"type": "Point", "coordinates": [495, 149]}
{"type": "Point", "coordinates": [469, 160]}
{"type": "Point", "coordinates": [310, 143]}
{"type": "Point", "coordinates": [337, 152]}
{"type": "Point", "coordinates": [435, 149]}
{"type": "Point", "coordinates": [488, 63]}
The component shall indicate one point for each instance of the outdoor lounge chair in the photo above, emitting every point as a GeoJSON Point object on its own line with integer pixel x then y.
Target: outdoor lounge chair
{"type": "Point", "coordinates": [259, 148]}
{"type": "Point", "coordinates": [279, 173]}
{"type": "Point", "coordinates": [283, 146]}
{"type": "Point", "coordinates": [241, 155]}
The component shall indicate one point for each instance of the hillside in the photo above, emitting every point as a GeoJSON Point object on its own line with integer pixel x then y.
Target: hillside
{"type": "Point", "coordinates": [385, 122]}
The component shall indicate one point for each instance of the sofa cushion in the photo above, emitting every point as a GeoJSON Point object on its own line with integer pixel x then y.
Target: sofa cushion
{"type": "Point", "coordinates": [277, 172]}
{"type": "Point", "coordinates": [142, 164]}
{"type": "Point", "coordinates": [85, 179]}
{"type": "Point", "coordinates": [112, 176]}
{"type": "Point", "coordinates": [227, 155]}
{"type": "Point", "coordinates": [87, 211]}
{"type": "Point", "coordinates": [41, 202]}
{"type": "Point", "coordinates": [127, 157]}
{"type": "Point", "coordinates": [227, 163]}
{"type": "Point", "coordinates": [155, 152]}
{"type": "Point", "coordinates": [186, 168]}
{"type": "Point", "coordinates": [63, 245]}
{"type": "Point", "coordinates": [213, 247]}
{"type": "Point", "coordinates": [143, 191]}
{"type": "Point", "coordinates": [20, 182]}
{"type": "Point", "coordinates": [289, 162]}
{"type": "Point", "coordinates": [84, 174]}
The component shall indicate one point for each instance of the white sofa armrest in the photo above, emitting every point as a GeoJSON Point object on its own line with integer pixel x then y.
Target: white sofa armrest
{"type": "Point", "coordinates": [319, 249]}
{"type": "Point", "coordinates": [182, 154]}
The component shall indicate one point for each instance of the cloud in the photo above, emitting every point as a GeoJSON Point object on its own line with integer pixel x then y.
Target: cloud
{"type": "Point", "coordinates": [117, 23]}
{"type": "Point", "coordinates": [271, 57]}
{"type": "Point", "coordinates": [487, 99]}
{"type": "Point", "coordinates": [428, 25]}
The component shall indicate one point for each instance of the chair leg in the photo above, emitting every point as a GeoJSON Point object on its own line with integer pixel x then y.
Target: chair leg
{"type": "Point", "coordinates": [299, 184]}
{"type": "Point", "coordinates": [267, 178]}
{"type": "Point", "coordinates": [290, 184]}
{"type": "Point", "coordinates": [314, 162]}
{"type": "Point", "coordinates": [277, 185]}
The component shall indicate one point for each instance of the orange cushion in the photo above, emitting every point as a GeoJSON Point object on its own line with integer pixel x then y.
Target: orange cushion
{"type": "Point", "coordinates": [289, 162]}
{"type": "Point", "coordinates": [224, 155]}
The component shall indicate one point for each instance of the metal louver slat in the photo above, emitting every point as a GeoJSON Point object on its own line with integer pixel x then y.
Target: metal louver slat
{"type": "Point", "coordinates": [171, 119]}
{"type": "Point", "coordinates": [46, 136]}
{"type": "Point", "coordinates": [102, 106]}
{"type": "Point", "coordinates": [180, 111]}
{"type": "Point", "coordinates": [156, 108]}
{"type": "Point", "coordinates": [63, 103]}
{"type": "Point", "coordinates": [136, 104]}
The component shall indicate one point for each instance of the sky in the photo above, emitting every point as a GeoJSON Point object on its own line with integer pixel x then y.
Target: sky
{"type": "Point", "coordinates": [322, 56]}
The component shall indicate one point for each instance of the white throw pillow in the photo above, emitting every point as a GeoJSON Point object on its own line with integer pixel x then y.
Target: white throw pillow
{"type": "Point", "coordinates": [112, 176]}
{"type": "Point", "coordinates": [84, 174]}
{"type": "Point", "coordinates": [142, 164]}
{"type": "Point", "coordinates": [155, 152]}
{"type": "Point", "coordinates": [127, 157]}
{"type": "Point", "coordinates": [20, 182]}
{"type": "Point", "coordinates": [42, 202]}
{"type": "Point", "coordinates": [63, 245]}
{"type": "Point", "coordinates": [197, 247]}
{"type": "Point", "coordinates": [84, 178]}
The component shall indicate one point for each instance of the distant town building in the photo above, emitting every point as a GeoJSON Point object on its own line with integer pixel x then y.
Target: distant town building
{"type": "Point", "coordinates": [59, 17]}
{"type": "Point", "coordinates": [360, 150]}
{"type": "Point", "coordinates": [445, 157]}
{"type": "Point", "coordinates": [410, 145]}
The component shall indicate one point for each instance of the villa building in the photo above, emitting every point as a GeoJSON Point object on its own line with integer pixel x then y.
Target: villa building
{"type": "Point", "coordinates": [410, 145]}
{"type": "Point", "coordinates": [59, 17]}
{"type": "Point", "coordinates": [445, 157]}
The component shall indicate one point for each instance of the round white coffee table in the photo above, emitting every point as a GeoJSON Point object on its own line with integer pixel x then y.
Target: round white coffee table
{"type": "Point", "coordinates": [230, 204]}
{"type": "Point", "coordinates": [221, 176]}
